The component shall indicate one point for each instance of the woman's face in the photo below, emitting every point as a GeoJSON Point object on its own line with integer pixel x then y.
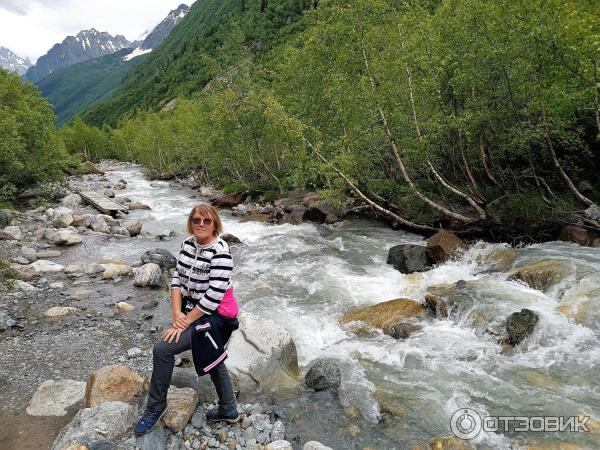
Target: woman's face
{"type": "Point", "coordinates": [203, 227]}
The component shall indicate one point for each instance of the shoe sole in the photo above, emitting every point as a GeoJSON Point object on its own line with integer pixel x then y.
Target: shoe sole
{"type": "Point", "coordinates": [146, 432]}
{"type": "Point", "coordinates": [223, 419]}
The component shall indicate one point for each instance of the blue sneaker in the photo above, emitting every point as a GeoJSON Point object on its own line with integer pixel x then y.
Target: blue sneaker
{"type": "Point", "coordinates": [148, 421]}
{"type": "Point", "coordinates": [231, 416]}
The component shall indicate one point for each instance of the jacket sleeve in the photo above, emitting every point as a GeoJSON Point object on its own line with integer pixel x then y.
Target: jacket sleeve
{"type": "Point", "coordinates": [221, 266]}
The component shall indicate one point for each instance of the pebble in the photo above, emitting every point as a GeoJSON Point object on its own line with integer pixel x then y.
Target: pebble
{"type": "Point", "coordinates": [134, 352]}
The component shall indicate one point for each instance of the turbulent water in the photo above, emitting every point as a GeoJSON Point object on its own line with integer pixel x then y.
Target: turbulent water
{"type": "Point", "coordinates": [305, 277]}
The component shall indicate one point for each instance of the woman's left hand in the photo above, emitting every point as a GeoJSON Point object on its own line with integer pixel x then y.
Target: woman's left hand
{"type": "Point", "coordinates": [172, 334]}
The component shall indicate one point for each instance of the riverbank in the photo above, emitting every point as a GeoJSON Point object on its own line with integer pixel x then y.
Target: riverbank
{"type": "Point", "coordinates": [323, 272]}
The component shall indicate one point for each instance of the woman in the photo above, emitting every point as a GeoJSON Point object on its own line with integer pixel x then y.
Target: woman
{"type": "Point", "coordinates": [204, 312]}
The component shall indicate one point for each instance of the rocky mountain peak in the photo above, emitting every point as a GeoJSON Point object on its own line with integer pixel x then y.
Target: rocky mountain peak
{"type": "Point", "coordinates": [13, 63]}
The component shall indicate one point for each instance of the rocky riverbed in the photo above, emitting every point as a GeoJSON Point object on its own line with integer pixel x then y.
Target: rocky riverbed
{"type": "Point", "coordinates": [322, 354]}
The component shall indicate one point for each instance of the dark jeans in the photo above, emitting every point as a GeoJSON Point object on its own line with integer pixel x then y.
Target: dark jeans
{"type": "Point", "coordinates": [162, 370]}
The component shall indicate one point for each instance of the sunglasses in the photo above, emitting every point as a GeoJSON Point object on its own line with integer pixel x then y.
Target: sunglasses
{"type": "Point", "coordinates": [201, 221]}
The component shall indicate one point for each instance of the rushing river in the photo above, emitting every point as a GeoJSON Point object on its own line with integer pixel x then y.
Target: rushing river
{"type": "Point", "coordinates": [305, 277]}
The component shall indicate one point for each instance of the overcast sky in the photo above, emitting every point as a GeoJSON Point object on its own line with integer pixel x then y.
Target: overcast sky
{"type": "Point", "coordinates": [31, 27]}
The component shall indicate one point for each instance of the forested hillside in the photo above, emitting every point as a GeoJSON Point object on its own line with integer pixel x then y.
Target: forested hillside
{"type": "Point", "coordinates": [470, 113]}
{"type": "Point", "coordinates": [80, 86]}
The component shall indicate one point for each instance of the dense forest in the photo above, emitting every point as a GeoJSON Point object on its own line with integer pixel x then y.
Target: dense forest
{"type": "Point", "coordinates": [450, 113]}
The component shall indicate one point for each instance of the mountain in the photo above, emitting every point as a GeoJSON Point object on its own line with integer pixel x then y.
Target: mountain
{"type": "Point", "coordinates": [162, 30]}
{"type": "Point", "coordinates": [76, 87]}
{"type": "Point", "coordinates": [88, 44]}
{"type": "Point", "coordinates": [12, 62]}
{"type": "Point", "coordinates": [72, 89]}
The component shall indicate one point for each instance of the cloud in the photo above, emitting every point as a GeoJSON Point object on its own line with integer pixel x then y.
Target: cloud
{"type": "Point", "coordinates": [22, 6]}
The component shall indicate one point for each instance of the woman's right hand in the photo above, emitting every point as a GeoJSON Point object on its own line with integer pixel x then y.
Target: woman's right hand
{"type": "Point", "coordinates": [180, 320]}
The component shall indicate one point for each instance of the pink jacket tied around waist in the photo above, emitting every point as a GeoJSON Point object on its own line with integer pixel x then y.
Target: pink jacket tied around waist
{"type": "Point", "coordinates": [228, 307]}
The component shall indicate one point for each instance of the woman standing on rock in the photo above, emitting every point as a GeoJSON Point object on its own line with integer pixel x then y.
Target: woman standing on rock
{"type": "Point", "coordinates": [204, 316]}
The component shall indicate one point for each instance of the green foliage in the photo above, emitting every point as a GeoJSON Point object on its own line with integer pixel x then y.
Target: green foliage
{"type": "Point", "coordinates": [78, 87]}
{"type": "Point", "coordinates": [30, 149]}
{"type": "Point", "coordinates": [94, 144]}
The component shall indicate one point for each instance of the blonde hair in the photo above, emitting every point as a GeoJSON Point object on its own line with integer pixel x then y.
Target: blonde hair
{"type": "Point", "coordinates": [208, 211]}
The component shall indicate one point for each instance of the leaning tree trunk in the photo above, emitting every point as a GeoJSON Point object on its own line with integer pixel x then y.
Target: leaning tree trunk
{"type": "Point", "coordinates": [396, 152]}
{"type": "Point", "coordinates": [582, 198]}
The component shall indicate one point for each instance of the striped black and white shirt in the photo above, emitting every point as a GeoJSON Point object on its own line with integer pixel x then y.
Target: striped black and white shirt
{"type": "Point", "coordinates": [203, 273]}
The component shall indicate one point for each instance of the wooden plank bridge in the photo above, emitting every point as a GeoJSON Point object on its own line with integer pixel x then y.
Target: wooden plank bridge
{"type": "Point", "coordinates": [103, 203]}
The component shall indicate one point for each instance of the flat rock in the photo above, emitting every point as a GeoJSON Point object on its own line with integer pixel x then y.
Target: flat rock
{"type": "Point", "coordinates": [137, 205]}
{"type": "Point", "coordinates": [112, 383]}
{"type": "Point", "coordinates": [24, 286]}
{"type": "Point", "coordinates": [103, 423]}
{"type": "Point", "coordinates": [386, 314]}
{"type": "Point", "coordinates": [543, 274]}
{"type": "Point", "coordinates": [59, 311]}
{"type": "Point", "coordinates": [115, 270]}
{"type": "Point", "coordinates": [54, 397]}
{"type": "Point", "coordinates": [66, 238]}
{"type": "Point", "coordinates": [11, 233]}
{"type": "Point", "coordinates": [181, 404]}
{"type": "Point", "coordinates": [262, 352]}
{"type": "Point", "coordinates": [314, 445]}
{"type": "Point", "coordinates": [48, 254]}
{"type": "Point", "coordinates": [163, 257]}
{"type": "Point", "coordinates": [124, 307]}
{"type": "Point", "coordinates": [279, 445]}
{"type": "Point", "coordinates": [133, 227]}
{"type": "Point", "coordinates": [45, 266]}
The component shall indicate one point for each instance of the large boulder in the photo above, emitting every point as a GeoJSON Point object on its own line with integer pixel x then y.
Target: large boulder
{"type": "Point", "coordinates": [541, 275]}
{"type": "Point", "coordinates": [593, 213]}
{"type": "Point", "coordinates": [62, 220]}
{"type": "Point", "coordinates": [409, 258]}
{"type": "Point", "coordinates": [262, 353]}
{"type": "Point", "coordinates": [137, 205]}
{"type": "Point", "coordinates": [98, 223]}
{"type": "Point", "coordinates": [6, 322]}
{"type": "Point", "coordinates": [11, 233]}
{"type": "Point", "coordinates": [297, 215]}
{"type": "Point", "coordinates": [582, 301]}
{"type": "Point", "coordinates": [91, 168]}
{"type": "Point", "coordinates": [149, 275]}
{"type": "Point", "coordinates": [519, 325]}
{"type": "Point", "coordinates": [164, 258]}
{"type": "Point", "coordinates": [314, 445]}
{"type": "Point", "coordinates": [229, 200]}
{"type": "Point", "coordinates": [84, 220]}
{"type": "Point", "coordinates": [72, 201]}
{"type": "Point", "coordinates": [444, 245]}
{"type": "Point", "coordinates": [578, 235]}
{"type": "Point", "coordinates": [112, 270]}
{"type": "Point", "coordinates": [5, 217]}
{"type": "Point", "coordinates": [181, 404]}
{"type": "Point", "coordinates": [54, 397]}
{"type": "Point", "coordinates": [387, 314]}
{"type": "Point", "coordinates": [134, 227]}
{"type": "Point", "coordinates": [323, 374]}
{"type": "Point", "coordinates": [230, 239]}
{"type": "Point", "coordinates": [111, 383]}
{"type": "Point", "coordinates": [106, 422]}
{"type": "Point", "coordinates": [66, 238]}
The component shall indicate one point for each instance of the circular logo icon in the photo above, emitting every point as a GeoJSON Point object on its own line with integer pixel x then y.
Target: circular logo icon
{"type": "Point", "coordinates": [465, 423]}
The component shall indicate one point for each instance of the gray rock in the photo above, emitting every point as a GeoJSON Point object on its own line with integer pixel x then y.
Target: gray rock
{"type": "Point", "coordinates": [101, 445]}
{"type": "Point", "coordinates": [409, 258]}
{"type": "Point", "coordinates": [94, 269]}
{"type": "Point", "coordinates": [593, 213]}
{"type": "Point", "coordinates": [48, 254]}
{"type": "Point", "coordinates": [155, 440]}
{"type": "Point", "coordinates": [44, 266]}
{"type": "Point", "coordinates": [137, 205]}
{"type": "Point", "coordinates": [164, 258]}
{"type": "Point", "coordinates": [29, 254]}
{"type": "Point", "coordinates": [279, 444]}
{"type": "Point", "coordinates": [230, 239]}
{"type": "Point", "coordinates": [83, 221]}
{"type": "Point", "coordinates": [134, 227]}
{"type": "Point", "coordinates": [98, 224]}
{"type": "Point", "coordinates": [119, 186]}
{"type": "Point", "coordinates": [323, 374]}
{"type": "Point", "coordinates": [149, 275]}
{"type": "Point", "coordinates": [262, 438]}
{"type": "Point", "coordinates": [109, 193]}
{"type": "Point", "coordinates": [105, 422]}
{"type": "Point", "coordinates": [5, 217]}
{"type": "Point", "coordinates": [6, 322]}
{"type": "Point", "coordinates": [11, 233]}
{"type": "Point", "coordinates": [521, 324]}
{"type": "Point", "coordinates": [197, 420]}
{"type": "Point", "coordinates": [72, 201]}
{"type": "Point", "coordinates": [134, 353]}
{"type": "Point", "coordinates": [314, 445]}
{"type": "Point", "coordinates": [120, 231]}
{"type": "Point", "coordinates": [187, 377]}
{"type": "Point", "coordinates": [62, 220]}
{"type": "Point", "coordinates": [278, 431]}
{"type": "Point", "coordinates": [54, 397]}
{"type": "Point", "coordinates": [66, 238]}
{"type": "Point", "coordinates": [23, 286]}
